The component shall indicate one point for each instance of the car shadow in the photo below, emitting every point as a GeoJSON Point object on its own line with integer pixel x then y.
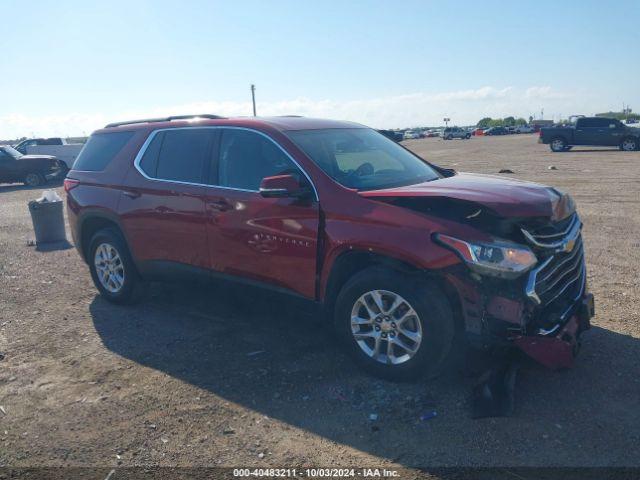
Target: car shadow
{"type": "Point", "coordinates": [274, 355]}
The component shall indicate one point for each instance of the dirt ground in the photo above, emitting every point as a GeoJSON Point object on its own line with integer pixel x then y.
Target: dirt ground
{"type": "Point", "coordinates": [220, 376]}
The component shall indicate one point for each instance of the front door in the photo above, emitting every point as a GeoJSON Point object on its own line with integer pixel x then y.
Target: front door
{"type": "Point", "coordinates": [268, 240]}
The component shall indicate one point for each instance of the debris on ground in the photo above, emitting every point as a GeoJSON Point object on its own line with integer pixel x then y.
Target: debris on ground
{"type": "Point", "coordinates": [552, 167]}
{"type": "Point", "coordinates": [493, 394]}
{"type": "Point", "coordinates": [1, 356]}
{"type": "Point", "coordinates": [228, 431]}
{"type": "Point", "coordinates": [506, 170]}
{"type": "Point", "coordinates": [4, 412]}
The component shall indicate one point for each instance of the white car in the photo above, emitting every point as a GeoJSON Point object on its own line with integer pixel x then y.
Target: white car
{"type": "Point", "coordinates": [410, 134]}
{"type": "Point", "coordinates": [524, 129]}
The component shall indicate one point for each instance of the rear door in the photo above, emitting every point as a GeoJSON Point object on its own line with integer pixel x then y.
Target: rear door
{"type": "Point", "coordinates": [268, 240]}
{"type": "Point", "coordinates": [162, 206]}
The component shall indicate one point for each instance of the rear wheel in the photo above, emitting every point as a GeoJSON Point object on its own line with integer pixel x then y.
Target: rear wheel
{"type": "Point", "coordinates": [558, 144]}
{"type": "Point", "coordinates": [394, 327]}
{"type": "Point", "coordinates": [34, 179]}
{"type": "Point", "coordinates": [629, 144]}
{"type": "Point", "coordinates": [112, 269]}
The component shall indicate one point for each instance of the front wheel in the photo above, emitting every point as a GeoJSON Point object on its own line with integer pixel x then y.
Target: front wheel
{"type": "Point", "coordinates": [629, 144]}
{"type": "Point", "coordinates": [558, 144]}
{"type": "Point", "coordinates": [34, 179]}
{"type": "Point", "coordinates": [395, 327]}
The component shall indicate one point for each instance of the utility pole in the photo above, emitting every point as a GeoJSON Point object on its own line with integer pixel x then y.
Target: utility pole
{"type": "Point", "coordinates": [253, 98]}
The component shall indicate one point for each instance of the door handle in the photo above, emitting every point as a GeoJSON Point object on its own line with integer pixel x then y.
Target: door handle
{"type": "Point", "coordinates": [131, 194]}
{"type": "Point", "coordinates": [220, 205]}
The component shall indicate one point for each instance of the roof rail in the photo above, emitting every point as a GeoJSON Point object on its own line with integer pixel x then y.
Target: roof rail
{"type": "Point", "coordinates": [163, 119]}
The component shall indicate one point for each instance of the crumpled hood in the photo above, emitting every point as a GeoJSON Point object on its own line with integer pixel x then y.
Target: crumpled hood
{"type": "Point", "coordinates": [506, 197]}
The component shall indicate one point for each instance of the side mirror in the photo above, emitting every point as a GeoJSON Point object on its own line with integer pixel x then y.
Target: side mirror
{"type": "Point", "coordinates": [283, 186]}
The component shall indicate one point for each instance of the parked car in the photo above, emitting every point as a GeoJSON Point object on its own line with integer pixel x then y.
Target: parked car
{"type": "Point", "coordinates": [592, 131]}
{"type": "Point", "coordinates": [66, 153]}
{"type": "Point", "coordinates": [405, 258]}
{"type": "Point", "coordinates": [524, 129]}
{"type": "Point", "coordinates": [432, 133]}
{"type": "Point", "coordinates": [478, 132]}
{"type": "Point", "coordinates": [450, 133]}
{"type": "Point", "coordinates": [392, 134]}
{"type": "Point", "coordinates": [496, 131]}
{"type": "Point", "coordinates": [410, 134]}
{"type": "Point", "coordinates": [32, 170]}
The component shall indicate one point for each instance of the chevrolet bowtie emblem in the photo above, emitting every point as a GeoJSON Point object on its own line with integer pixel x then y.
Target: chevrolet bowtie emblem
{"type": "Point", "coordinates": [569, 244]}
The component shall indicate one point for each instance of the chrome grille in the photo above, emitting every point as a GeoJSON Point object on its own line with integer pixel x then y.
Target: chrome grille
{"type": "Point", "coordinates": [554, 235]}
{"type": "Point", "coordinates": [559, 278]}
{"type": "Point", "coordinates": [559, 274]}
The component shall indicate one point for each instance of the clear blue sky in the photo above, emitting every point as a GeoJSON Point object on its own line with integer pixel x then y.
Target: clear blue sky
{"type": "Point", "coordinates": [82, 62]}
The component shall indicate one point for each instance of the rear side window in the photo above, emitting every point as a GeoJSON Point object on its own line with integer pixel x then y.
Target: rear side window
{"type": "Point", "coordinates": [178, 155]}
{"type": "Point", "coordinates": [100, 149]}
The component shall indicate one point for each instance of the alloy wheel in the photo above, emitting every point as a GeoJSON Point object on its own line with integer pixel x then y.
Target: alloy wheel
{"type": "Point", "coordinates": [109, 267]}
{"type": "Point", "coordinates": [629, 144]}
{"type": "Point", "coordinates": [386, 327]}
{"type": "Point", "coordinates": [557, 145]}
{"type": "Point", "coordinates": [32, 179]}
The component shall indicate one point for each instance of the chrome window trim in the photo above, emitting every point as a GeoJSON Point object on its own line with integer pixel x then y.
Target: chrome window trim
{"type": "Point", "coordinates": [152, 135]}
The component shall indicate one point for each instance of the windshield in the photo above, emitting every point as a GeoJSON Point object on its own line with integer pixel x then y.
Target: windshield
{"type": "Point", "coordinates": [12, 151]}
{"type": "Point", "coordinates": [362, 159]}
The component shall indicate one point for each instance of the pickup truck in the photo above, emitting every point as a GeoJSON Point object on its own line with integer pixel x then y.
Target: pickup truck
{"type": "Point", "coordinates": [65, 152]}
{"type": "Point", "coordinates": [592, 131]}
{"type": "Point", "coordinates": [32, 170]}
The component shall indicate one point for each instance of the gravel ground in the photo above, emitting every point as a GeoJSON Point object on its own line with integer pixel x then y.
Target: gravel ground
{"type": "Point", "coordinates": [220, 376]}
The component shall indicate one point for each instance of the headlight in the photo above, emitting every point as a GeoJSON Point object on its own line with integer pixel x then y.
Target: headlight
{"type": "Point", "coordinates": [498, 259]}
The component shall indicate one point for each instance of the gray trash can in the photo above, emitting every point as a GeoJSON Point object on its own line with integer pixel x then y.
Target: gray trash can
{"type": "Point", "coordinates": [48, 221]}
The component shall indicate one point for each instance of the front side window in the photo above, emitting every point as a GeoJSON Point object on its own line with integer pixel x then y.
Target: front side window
{"type": "Point", "coordinates": [362, 159]}
{"type": "Point", "coordinates": [247, 157]}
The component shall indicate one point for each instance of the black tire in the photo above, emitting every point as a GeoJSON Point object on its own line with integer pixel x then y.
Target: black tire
{"type": "Point", "coordinates": [434, 314]}
{"type": "Point", "coordinates": [558, 144]}
{"type": "Point", "coordinates": [629, 144]}
{"type": "Point", "coordinates": [34, 179]}
{"type": "Point", "coordinates": [468, 136]}
{"type": "Point", "coordinates": [133, 286]}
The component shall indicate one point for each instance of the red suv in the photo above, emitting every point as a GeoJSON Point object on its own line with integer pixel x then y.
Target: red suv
{"type": "Point", "coordinates": [406, 258]}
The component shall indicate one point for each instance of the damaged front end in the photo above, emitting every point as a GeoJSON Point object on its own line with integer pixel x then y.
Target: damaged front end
{"type": "Point", "coordinates": [527, 287]}
{"type": "Point", "coordinates": [542, 311]}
